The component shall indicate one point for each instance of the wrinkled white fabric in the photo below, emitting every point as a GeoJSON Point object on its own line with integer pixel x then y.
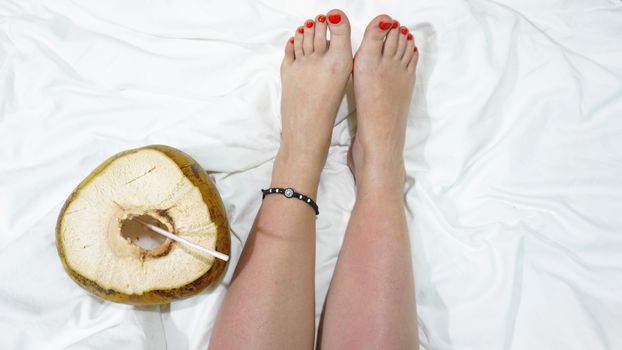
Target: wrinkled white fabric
{"type": "Point", "coordinates": [514, 158]}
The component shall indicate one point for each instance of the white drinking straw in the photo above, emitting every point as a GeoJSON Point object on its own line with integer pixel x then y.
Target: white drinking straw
{"type": "Point", "coordinates": [165, 233]}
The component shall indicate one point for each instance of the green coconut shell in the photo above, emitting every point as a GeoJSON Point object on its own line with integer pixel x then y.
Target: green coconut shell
{"type": "Point", "coordinates": [197, 175]}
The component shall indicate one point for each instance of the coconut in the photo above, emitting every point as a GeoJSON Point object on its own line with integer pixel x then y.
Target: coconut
{"type": "Point", "coordinates": [106, 248]}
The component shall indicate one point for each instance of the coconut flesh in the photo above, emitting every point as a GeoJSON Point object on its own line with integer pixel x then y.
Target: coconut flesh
{"type": "Point", "coordinates": [105, 246]}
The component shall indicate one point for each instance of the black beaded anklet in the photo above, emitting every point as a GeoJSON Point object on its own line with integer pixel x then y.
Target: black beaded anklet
{"type": "Point", "coordinates": [290, 193]}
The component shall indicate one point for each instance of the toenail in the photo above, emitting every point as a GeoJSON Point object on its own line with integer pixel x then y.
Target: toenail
{"type": "Point", "coordinates": [384, 25]}
{"type": "Point", "coordinates": [334, 19]}
{"type": "Point", "coordinates": [395, 24]}
{"type": "Point", "coordinates": [309, 24]}
{"type": "Point", "coordinates": [404, 30]}
{"type": "Point", "coordinates": [321, 18]}
{"type": "Point", "coordinates": [301, 30]}
{"type": "Point", "coordinates": [409, 37]}
{"type": "Point", "coordinates": [415, 49]}
{"type": "Point", "coordinates": [291, 41]}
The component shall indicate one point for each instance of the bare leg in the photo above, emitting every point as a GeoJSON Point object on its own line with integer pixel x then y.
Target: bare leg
{"type": "Point", "coordinates": [270, 303]}
{"type": "Point", "coordinates": [371, 300]}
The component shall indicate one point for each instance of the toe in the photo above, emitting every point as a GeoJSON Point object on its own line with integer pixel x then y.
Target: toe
{"type": "Point", "coordinates": [319, 40]}
{"type": "Point", "coordinates": [339, 27]}
{"type": "Point", "coordinates": [375, 33]}
{"type": "Point", "coordinates": [412, 64]}
{"type": "Point", "coordinates": [408, 50]}
{"type": "Point", "coordinates": [390, 43]}
{"type": "Point", "coordinates": [289, 51]}
{"type": "Point", "coordinates": [309, 33]}
{"type": "Point", "coordinates": [401, 42]}
{"type": "Point", "coordinates": [298, 42]}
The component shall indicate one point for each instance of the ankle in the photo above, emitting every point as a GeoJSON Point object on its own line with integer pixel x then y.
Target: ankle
{"type": "Point", "coordinates": [378, 168]}
{"type": "Point", "coordinates": [380, 181]}
{"type": "Point", "coordinates": [298, 171]}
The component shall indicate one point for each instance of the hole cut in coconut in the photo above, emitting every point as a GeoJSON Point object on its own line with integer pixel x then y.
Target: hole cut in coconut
{"type": "Point", "coordinates": [136, 232]}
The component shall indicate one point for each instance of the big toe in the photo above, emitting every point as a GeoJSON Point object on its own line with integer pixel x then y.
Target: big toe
{"type": "Point", "coordinates": [375, 34]}
{"type": "Point", "coordinates": [339, 27]}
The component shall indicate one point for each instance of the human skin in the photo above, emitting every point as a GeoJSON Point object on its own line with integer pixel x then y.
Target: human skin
{"type": "Point", "coordinates": [270, 303]}
{"type": "Point", "coordinates": [371, 300]}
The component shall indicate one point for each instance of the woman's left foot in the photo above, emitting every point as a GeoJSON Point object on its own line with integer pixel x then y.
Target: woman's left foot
{"type": "Point", "coordinates": [314, 73]}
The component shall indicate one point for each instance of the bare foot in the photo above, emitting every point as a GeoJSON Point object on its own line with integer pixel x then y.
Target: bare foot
{"type": "Point", "coordinates": [313, 74]}
{"type": "Point", "coordinates": [384, 77]}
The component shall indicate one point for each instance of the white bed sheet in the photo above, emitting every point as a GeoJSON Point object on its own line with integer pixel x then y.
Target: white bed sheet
{"type": "Point", "coordinates": [514, 158]}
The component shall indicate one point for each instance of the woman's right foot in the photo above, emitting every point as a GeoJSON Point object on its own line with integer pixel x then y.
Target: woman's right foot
{"type": "Point", "coordinates": [384, 78]}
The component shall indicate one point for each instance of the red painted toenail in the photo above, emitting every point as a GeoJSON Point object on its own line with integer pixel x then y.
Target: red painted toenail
{"type": "Point", "coordinates": [291, 41]}
{"type": "Point", "coordinates": [334, 19]}
{"type": "Point", "coordinates": [404, 30]}
{"type": "Point", "coordinates": [384, 25]}
{"type": "Point", "coordinates": [301, 30]}
{"type": "Point", "coordinates": [321, 18]}
{"type": "Point", "coordinates": [395, 24]}
{"type": "Point", "coordinates": [409, 37]}
{"type": "Point", "coordinates": [309, 24]}
{"type": "Point", "coordinates": [415, 49]}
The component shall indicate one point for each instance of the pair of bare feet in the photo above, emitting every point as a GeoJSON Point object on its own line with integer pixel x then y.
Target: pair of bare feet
{"type": "Point", "coordinates": [314, 73]}
{"type": "Point", "coordinates": [270, 303]}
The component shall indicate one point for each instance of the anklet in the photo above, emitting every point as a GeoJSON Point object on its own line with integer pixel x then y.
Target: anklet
{"type": "Point", "coordinates": [290, 193]}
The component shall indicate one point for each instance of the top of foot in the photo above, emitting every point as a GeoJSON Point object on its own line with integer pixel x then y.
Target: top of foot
{"type": "Point", "coordinates": [384, 78]}
{"type": "Point", "coordinates": [314, 73]}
